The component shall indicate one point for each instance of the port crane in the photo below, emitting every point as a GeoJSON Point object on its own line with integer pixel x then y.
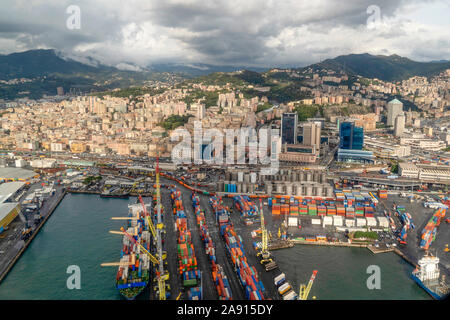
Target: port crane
{"type": "Point", "coordinates": [266, 258]}
{"type": "Point", "coordinates": [305, 289]}
{"type": "Point", "coordinates": [162, 275]}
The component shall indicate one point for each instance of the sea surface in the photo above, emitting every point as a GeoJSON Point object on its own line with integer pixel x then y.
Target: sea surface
{"type": "Point", "coordinates": [77, 234]}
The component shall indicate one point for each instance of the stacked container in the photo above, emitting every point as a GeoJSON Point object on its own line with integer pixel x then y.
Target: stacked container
{"type": "Point", "coordinates": [382, 194]}
{"type": "Point", "coordinates": [303, 209]}
{"type": "Point", "coordinates": [369, 212]}
{"type": "Point", "coordinates": [350, 212]}
{"type": "Point", "coordinates": [246, 207]}
{"type": "Point", "coordinates": [321, 210]}
{"type": "Point", "coordinates": [331, 210]}
{"type": "Point", "coordinates": [247, 275]}
{"type": "Point", "coordinates": [276, 209]}
{"type": "Point", "coordinates": [188, 267]}
{"type": "Point", "coordinates": [340, 210]}
{"type": "Point", "coordinates": [359, 211]}
{"type": "Point", "coordinates": [312, 210]}
{"type": "Point", "coordinates": [293, 210]}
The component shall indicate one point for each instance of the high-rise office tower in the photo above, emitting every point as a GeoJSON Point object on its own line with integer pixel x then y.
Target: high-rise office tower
{"type": "Point", "coordinates": [311, 134]}
{"type": "Point", "coordinates": [351, 137]}
{"type": "Point", "coordinates": [394, 108]}
{"type": "Point", "coordinates": [289, 128]}
{"type": "Point", "coordinates": [399, 125]}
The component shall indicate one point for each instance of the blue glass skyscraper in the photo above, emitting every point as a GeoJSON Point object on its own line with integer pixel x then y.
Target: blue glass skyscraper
{"type": "Point", "coordinates": [351, 137]}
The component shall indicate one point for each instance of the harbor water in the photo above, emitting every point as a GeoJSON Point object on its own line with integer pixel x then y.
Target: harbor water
{"type": "Point", "coordinates": [78, 234]}
{"type": "Point", "coordinates": [343, 275]}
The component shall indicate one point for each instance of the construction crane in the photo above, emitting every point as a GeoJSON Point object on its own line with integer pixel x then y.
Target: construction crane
{"type": "Point", "coordinates": [266, 258]}
{"type": "Point", "coordinates": [304, 290]}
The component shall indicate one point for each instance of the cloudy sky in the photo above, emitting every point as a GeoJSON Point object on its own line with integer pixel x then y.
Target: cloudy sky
{"type": "Point", "coordinates": [231, 32]}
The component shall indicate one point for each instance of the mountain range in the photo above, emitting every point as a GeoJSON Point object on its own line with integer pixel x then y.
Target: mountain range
{"type": "Point", "coordinates": [51, 69]}
{"type": "Point", "coordinates": [386, 68]}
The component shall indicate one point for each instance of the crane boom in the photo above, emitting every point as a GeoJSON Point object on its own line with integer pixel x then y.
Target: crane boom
{"type": "Point", "coordinates": [304, 290]}
{"type": "Point", "coordinates": [162, 276]}
{"type": "Point", "coordinates": [152, 258]}
{"type": "Point", "coordinates": [149, 221]}
{"type": "Point", "coordinates": [264, 236]}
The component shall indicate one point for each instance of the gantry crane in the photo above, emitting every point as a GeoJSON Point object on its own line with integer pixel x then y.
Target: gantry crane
{"type": "Point", "coordinates": [162, 275]}
{"type": "Point", "coordinates": [304, 290]}
{"type": "Point", "coordinates": [266, 258]}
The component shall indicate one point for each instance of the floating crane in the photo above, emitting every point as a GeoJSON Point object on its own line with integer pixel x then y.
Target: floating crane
{"type": "Point", "coordinates": [266, 258]}
{"type": "Point", "coordinates": [304, 290]}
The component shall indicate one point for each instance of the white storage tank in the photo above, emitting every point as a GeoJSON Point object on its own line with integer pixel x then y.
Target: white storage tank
{"type": "Point", "coordinates": [292, 222]}
{"type": "Point", "coordinates": [240, 176]}
{"type": "Point", "coordinates": [253, 177]}
{"type": "Point", "coordinates": [361, 222]}
{"type": "Point", "coordinates": [349, 223]}
{"type": "Point", "coordinates": [371, 221]}
{"type": "Point", "coordinates": [327, 221]}
{"type": "Point", "coordinates": [338, 221]}
{"type": "Point", "coordinates": [315, 221]}
{"type": "Point", "coordinates": [383, 222]}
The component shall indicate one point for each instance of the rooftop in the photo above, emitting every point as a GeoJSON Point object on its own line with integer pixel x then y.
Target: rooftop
{"type": "Point", "coordinates": [10, 187]}
{"type": "Point", "coordinates": [16, 173]}
{"type": "Point", "coordinates": [6, 208]}
{"type": "Point", "coordinates": [395, 101]}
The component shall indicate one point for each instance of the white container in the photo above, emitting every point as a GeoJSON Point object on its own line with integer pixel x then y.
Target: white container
{"type": "Point", "coordinates": [292, 222]}
{"type": "Point", "coordinates": [361, 222]}
{"type": "Point", "coordinates": [279, 279]}
{"type": "Point", "coordinates": [315, 221]}
{"type": "Point", "coordinates": [284, 288]}
{"type": "Point", "coordinates": [291, 295]}
{"type": "Point", "coordinates": [349, 222]}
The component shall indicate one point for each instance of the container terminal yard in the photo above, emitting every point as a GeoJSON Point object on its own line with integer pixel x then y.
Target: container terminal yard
{"type": "Point", "coordinates": [213, 241]}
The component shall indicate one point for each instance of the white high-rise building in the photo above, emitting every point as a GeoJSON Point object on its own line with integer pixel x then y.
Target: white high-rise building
{"type": "Point", "coordinates": [394, 108]}
{"type": "Point", "coordinates": [399, 125]}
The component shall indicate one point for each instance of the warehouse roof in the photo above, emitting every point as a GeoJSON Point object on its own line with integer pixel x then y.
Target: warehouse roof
{"type": "Point", "coordinates": [9, 188]}
{"type": "Point", "coordinates": [6, 208]}
{"type": "Point", "coordinates": [16, 173]}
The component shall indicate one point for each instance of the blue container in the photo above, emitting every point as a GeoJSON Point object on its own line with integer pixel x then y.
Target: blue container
{"type": "Point", "coordinates": [262, 287]}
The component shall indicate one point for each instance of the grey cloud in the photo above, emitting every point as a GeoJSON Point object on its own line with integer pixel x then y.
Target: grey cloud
{"type": "Point", "coordinates": [213, 31]}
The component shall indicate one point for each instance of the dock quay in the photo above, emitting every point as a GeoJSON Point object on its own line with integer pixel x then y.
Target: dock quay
{"type": "Point", "coordinates": [372, 248]}
{"type": "Point", "coordinates": [131, 194]}
{"type": "Point", "coordinates": [331, 244]}
{"type": "Point", "coordinates": [47, 215]}
{"type": "Point", "coordinates": [280, 245]}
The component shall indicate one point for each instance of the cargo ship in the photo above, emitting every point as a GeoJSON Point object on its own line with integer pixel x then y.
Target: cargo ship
{"type": "Point", "coordinates": [426, 275]}
{"type": "Point", "coordinates": [109, 194]}
{"type": "Point", "coordinates": [133, 274]}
